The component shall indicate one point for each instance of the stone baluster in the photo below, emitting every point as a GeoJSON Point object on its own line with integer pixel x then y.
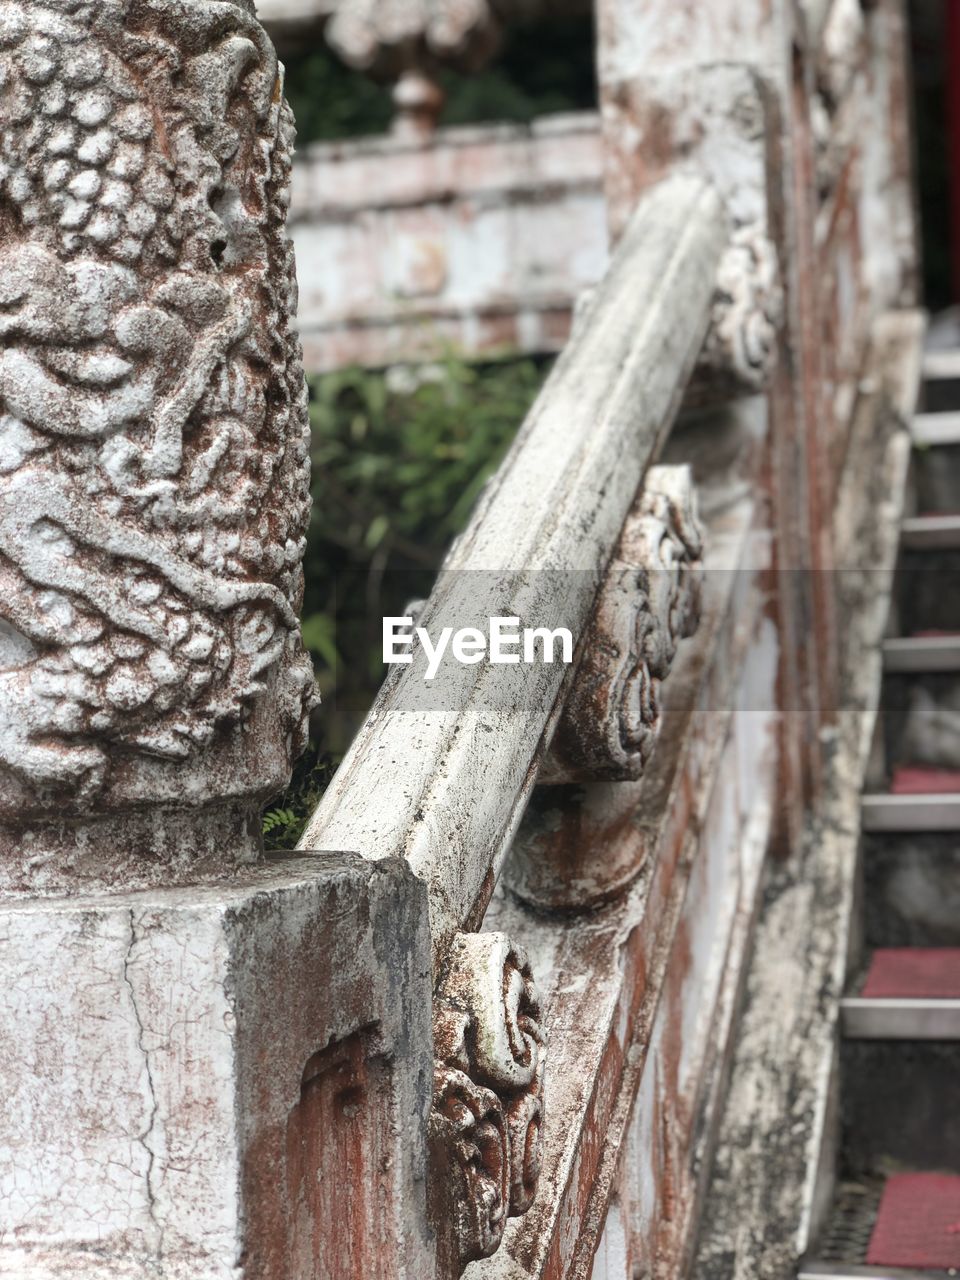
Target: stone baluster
{"type": "Point", "coordinates": [408, 41]}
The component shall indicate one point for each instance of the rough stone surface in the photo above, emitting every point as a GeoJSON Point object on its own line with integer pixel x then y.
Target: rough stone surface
{"type": "Point", "coordinates": [773, 1175]}
{"type": "Point", "coordinates": [748, 311]}
{"type": "Point", "coordinates": [649, 602]}
{"type": "Point", "coordinates": [478, 238]}
{"type": "Point", "coordinates": [153, 450]}
{"type": "Point", "coordinates": [488, 1093]}
{"type": "Point", "coordinates": [536, 545]}
{"type": "Point", "coordinates": [181, 1105]}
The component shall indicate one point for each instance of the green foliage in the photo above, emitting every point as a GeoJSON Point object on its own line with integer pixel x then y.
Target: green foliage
{"type": "Point", "coordinates": [285, 819]}
{"type": "Point", "coordinates": [396, 475]}
{"type": "Point", "coordinates": [543, 67]}
{"type": "Point", "coordinates": [399, 461]}
{"type": "Point", "coordinates": [332, 101]}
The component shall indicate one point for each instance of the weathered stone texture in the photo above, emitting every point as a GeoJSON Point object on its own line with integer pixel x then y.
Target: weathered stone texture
{"type": "Point", "coordinates": [179, 1103]}
{"type": "Point", "coordinates": [487, 1117]}
{"type": "Point", "coordinates": [480, 240]}
{"type": "Point", "coordinates": [155, 477]}
{"type": "Point", "coordinates": [649, 602]}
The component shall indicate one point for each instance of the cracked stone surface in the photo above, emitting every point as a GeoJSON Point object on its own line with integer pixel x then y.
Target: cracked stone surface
{"type": "Point", "coordinates": [157, 1114]}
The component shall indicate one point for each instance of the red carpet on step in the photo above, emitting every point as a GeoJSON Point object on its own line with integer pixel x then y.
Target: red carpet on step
{"type": "Point", "coordinates": [918, 1224]}
{"type": "Point", "coordinates": [914, 973]}
{"type": "Point", "coordinates": [916, 780]}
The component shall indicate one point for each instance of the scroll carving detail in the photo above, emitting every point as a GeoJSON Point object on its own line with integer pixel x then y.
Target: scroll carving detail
{"type": "Point", "coordinates": [488, 1099]}
{"type": "Point", "coordinates": [747, 312]}
{"type": "Point", "coordinates": [650, 600]}
{"type": "Point", "coordinates": [154, 448]}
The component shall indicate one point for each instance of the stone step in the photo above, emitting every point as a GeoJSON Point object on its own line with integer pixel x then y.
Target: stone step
{"type": "Point", "coordinates": [941, 366]}
{"type": "Point", "coordinates": [924, 780]}
{"type": "Point", "coordinates": [885, 811]}
{"type": "Point", "coordinates": [851, 1271]}
{"type": "Point", "coordinates": [928, 653]}
{"type": "Point", "coordinates": [902, 1229]}
{"type": "Point", "coordinates": [935, 430]}
{"type": "Point", "coordinates": [916, 1224]}
{"type": "Point", "coordinates": [907, 994]}
{"type": "Point", "coordinates": [931, 533]}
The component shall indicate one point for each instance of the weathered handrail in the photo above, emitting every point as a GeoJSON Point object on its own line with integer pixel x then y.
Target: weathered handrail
{"type": "Point", "coordinates": [423, 780]}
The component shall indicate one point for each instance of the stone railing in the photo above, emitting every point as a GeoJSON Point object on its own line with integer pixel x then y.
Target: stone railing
{"type": "Point", "coordinates": [477, 240]}
{"type": "Point", "coordinates": [592, 838]}
{"type": "Point", "coordinates": [536, 548]}
{"type": "Point", "coordinates": [440, 775]}
{"type": "Point", "coordinates": [533, 776]}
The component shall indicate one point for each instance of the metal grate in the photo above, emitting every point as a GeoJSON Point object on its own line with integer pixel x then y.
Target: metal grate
{"type": "Point", "coordinates": [846, 1237]}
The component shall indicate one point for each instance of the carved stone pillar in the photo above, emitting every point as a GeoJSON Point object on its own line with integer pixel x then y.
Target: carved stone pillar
{"type": "Point", "coordinates": [177, 1100]}
{"type": "Point", "coordinates": [154, 461]}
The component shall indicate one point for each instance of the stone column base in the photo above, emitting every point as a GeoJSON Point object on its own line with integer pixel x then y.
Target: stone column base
{"type": "Point", "coordinates": [213, 1082]}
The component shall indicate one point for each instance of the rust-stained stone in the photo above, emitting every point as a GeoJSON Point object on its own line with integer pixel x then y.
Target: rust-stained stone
{"type": "Point", "coordinates": [622, 978]}
{"type": "Point", "coordinates": [154, 445]}
{"type": "Point", "coordinates": [768, 1189]}
{"type": "Point", "coordinates": [487, 1120]}
{"type": "Point", "coordinates": [611, 720]}
{"type": "Point", "coordinates": [227, 1081]}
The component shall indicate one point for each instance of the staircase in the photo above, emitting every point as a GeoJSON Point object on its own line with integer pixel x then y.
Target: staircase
{"type": "Point", "coordinates": [896, 1204]}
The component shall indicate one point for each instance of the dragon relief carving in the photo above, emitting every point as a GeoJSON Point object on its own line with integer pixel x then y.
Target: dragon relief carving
{"type": "Point", "coordinates": [488, 1087]}
{"type": "Point", "coordinates": [154, 466]}
{"type": "Point", "coordinates": [648, 603]}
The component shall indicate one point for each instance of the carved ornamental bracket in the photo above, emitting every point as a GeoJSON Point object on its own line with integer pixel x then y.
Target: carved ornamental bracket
{"type": "Point", "coordinates": [747, 313]}
{"type": "Point", "coordinates": [488, 1089]}
{"type": "Point", "coordinates": [650, 600]}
